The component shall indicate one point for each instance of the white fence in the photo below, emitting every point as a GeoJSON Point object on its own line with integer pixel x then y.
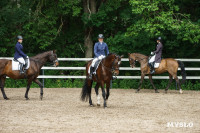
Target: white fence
{"type": "Point", "coordinates": [118, 77]}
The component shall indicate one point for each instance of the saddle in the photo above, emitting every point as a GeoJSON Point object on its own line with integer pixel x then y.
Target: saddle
{"type": "Point", "coordinates": [16, 64]}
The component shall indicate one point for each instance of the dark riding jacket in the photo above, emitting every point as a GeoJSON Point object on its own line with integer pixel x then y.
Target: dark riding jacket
{"type": "Point", "coordinates": [158, 53]}
{"type": "Point", "coordinates": [18, 51]}
{"type": "Point", "coordinates": [100, 49]}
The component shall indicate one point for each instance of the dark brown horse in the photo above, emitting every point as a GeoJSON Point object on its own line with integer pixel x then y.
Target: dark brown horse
{"type": "Point", "coordinates": [167, 65]}
{"type": "Point", "coordinates": [31, 74]}
{"type": "Point", "coordinates": [108, 67]}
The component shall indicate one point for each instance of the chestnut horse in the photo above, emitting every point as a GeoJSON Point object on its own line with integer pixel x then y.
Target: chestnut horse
{"type": "Point", "coordinates": [108, 67]}
{"type": "Point", "coordinates": [169, 65]}
{"type": "Point", "coordinates": [31, 74]}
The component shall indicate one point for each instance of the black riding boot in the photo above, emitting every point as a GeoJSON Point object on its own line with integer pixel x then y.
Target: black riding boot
{"type": "Point", "coordinates": [152, 70]}
{"type": "Point", "coordinates": [21, 68]}
{"type": "Point", "coordinates": [91, 72]}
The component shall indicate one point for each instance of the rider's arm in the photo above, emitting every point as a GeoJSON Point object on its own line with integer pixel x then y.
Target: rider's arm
{"type": "Point", "coordinates": [158, 48]}
{"type": "Point", "coordinates": [95, 50]}
{"type": "Point", "coordinates": [107, 49]}
{"type": "Point", "coordinates": [20, 51]}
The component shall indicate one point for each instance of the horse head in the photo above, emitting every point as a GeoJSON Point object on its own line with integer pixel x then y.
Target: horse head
{"type": "Point", "coordinates": [53, 58]}
{"type": "Point", "coordinates": [132, 59]}
{"type": "Point", "coordinates": [116, 62]}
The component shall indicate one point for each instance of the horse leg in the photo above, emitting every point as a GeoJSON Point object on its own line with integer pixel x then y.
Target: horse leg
{"type": "Point", "coordinates": [41, 87]}
{"type": "Point", "coordinates": [107, 90]}
{"type": "Point", "coordinates": [3, 78]}
{"type": "Point", "coordinates": [170, 81]}
{"type": "Point", "coordinates": [179, 86]}
{"type": "Point", "coordinates": [89, 91]}
{"type": "Point", "coordinates": [97, 94]}
{"type": "Point", "coordinates": [140, 84]}
{"type": "Point", "coordinates": [150, 78]}
{"type": "Point", "coordinates": [103, 94]}
{"type": "Point", "coordinates": [28, 88]}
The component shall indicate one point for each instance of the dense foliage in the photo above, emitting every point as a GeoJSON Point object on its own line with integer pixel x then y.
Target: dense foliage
{"type": "Point", "coordinates": [128, 26]}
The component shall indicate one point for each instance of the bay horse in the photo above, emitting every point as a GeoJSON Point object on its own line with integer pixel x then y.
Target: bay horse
{"type": "Point", "coordinates": [108, 67]}
{"type": "Point", "coordinates": [31, 73]}
{"type": "Point", "coordinates": [169, 65]}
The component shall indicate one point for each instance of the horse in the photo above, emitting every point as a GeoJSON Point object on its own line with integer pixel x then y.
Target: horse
{"type": "Point", "coordinates": [169, 65]}
{"type": "Point", "coordinates": [108, 67]}
{"type": "Point", "coordinates": [31, 73]}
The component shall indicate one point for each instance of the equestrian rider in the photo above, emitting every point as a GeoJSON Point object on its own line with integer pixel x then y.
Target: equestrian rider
{"type": "Point", "coordinates": [19, 54]}
{"type": "Point", "coordinates": [155, 60]}
{"type": "Point", "coordinates": [100, 51]}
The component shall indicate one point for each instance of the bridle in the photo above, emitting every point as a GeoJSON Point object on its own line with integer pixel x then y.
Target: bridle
{"type": "Point", "coordinates": [55, 61]}
{"type": "Point", "coordinates": [112, 69]}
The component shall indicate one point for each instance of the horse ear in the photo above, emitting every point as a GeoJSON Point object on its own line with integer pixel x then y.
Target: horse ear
{"type": "Point", "coordinates": [54, 51]}
{"type": "Point", "coordinates": [128, 54]}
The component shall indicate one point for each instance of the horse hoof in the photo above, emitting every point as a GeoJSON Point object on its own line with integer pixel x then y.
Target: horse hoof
{"type": "Point", "coordinates": [91, 105]}
{"type": "Point", "coordinates": [137, 91]}
{"type": "Point", "coordinates": [156, 92]}
{"type": "Point", "coordinates": [165, 92]}
{"type": "Point", "coordinates": [27, 98]}
{"type": "Point", "coordinates": [98, 105]}
{"type": "Point", "coordinates": [41, 97]}
{"type": "Point", "coordinates": [6, 98]}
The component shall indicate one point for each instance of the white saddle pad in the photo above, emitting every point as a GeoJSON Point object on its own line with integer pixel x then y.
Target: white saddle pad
{"type": "Point", "coordinates": [16, 65]}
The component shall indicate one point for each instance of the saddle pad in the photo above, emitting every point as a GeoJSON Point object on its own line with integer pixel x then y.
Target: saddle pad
{"type": "Point", "coordinates": [16, 65]}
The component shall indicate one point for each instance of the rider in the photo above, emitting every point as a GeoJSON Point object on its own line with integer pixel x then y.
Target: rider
{"type": "Point", "coordinates": [19, 54]}
{"type": "Point", "coordinates": [155, 60]}
{"type": "Point", "coordinates": [100, 48]}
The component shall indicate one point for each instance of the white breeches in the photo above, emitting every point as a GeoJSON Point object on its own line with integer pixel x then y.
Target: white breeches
{"type": "Point", "coordinates": [21, 60]}
{"type": "Point", "coordinates": [152, 59]}
{"type": "Point", "coordinates": [96, 59]}
{"type": "Point", "coordinates": [156, 65]}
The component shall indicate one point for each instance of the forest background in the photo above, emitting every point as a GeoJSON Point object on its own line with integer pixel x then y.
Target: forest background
{"type": "Point", "coordinates": [72, 26]}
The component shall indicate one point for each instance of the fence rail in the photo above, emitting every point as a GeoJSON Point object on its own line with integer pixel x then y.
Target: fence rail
{"type": "Point", "coordinates": [121, 68]}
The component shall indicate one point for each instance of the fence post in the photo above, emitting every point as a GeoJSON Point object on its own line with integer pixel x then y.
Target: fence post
{"type": "Point", "coordinates": [43, 78]}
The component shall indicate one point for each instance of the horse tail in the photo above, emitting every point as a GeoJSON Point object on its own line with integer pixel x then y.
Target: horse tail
{"type": "Point", "coordinates": [86, 91]}
{"type": "Point", "coordinates": [183, 73]}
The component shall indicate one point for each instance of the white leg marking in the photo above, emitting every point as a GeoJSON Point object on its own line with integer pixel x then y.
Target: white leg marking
{"type": "Point", "coordinates": [98, 100]}
{"type": "Point", "coordinates": [181, 92]}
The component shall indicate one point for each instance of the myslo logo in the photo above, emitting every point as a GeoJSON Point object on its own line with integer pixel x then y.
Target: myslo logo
{"type": "Point", "coordinates": [180, 124]}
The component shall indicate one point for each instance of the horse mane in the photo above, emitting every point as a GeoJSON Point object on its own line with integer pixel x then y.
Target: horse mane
{"type": "Point", "coordinates": [38, 56]}
{"type": "Point", "coordinates": [112, 54]}
{"type": "Point", "coordinates": [140, 55]}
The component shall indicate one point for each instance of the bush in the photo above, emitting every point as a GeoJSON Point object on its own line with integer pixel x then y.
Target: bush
{"type": "Point", "coordinates": [119, 83]}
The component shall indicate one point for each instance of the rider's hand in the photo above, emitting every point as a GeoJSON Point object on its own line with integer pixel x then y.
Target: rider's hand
{"type": "Point", "coordinates": [100, 57]}
{"type": "Point", "coordinates": [26, 57]}
{"type": "Point", "coordinates": [152, 53]}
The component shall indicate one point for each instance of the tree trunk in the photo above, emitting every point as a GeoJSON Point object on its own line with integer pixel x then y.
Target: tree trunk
{"type": "Point", "coordinates": [88, 43]}
{"type": "Point", "coordinates": [89, 7]}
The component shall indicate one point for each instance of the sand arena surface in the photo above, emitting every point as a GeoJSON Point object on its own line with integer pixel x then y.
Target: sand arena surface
{"type": "Point", "coordinates": [62, 111]}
